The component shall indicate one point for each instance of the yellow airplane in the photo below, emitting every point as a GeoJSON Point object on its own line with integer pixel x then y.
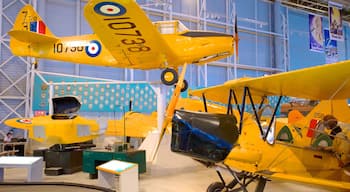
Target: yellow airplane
{"type": "Point", "coordinates": [123, 37]}
{"type": "Point", "coordinates": [140, 125]}
{"type": "Point", "coordinates": [63, 127]}
{"type": "Point", "coordinates": [257, 146]}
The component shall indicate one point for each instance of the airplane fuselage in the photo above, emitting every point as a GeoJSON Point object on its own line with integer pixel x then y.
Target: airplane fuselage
{"type": "Point", "coordinates": [88, 49]}
{"type": "Point", "coordinates": [46, 129]}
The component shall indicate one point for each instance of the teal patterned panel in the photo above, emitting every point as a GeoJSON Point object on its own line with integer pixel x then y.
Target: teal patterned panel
{"type": "Point", "coordinates": [97, 97]}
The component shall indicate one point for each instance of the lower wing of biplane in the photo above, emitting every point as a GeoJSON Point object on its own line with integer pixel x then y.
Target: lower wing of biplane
{"type": "Point", "coordinates": [260, 145]}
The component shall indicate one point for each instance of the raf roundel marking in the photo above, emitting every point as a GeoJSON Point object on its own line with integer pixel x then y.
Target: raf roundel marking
{"type": "Point", "coordinates": [109, 9]}
{"type": "Point", "coordinates": [25, 121]}
{"type": "Point", "coordinates": [93, 49]}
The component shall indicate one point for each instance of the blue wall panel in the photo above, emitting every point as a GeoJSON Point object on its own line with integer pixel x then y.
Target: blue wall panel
{"type": "Point", "coordinates": [217, 75]}
{"type": "Point", "coordinates": [247, 48]}
{"type": "Point", "coordinates": [245, 9]}
{"type": "Point", "coordinates": [300, 55]}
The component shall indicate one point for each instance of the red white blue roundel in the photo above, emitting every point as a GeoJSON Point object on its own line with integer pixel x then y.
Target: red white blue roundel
{"type": "Point", "coordinates": [109, 9]}
{"type": "Point", "coordinates": [25, 121]}
{"type": "Point", "coordinates": [93, 49]}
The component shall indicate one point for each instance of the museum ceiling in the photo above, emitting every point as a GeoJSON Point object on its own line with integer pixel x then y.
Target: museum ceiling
{"type": "Point", "coordinates": [319, 6]}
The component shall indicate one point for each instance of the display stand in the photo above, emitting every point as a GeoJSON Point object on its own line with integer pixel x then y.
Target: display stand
{"type": "Point", "coordinates": [33, 164]}
{"type": "Point", "coordinates": [95, 157]}
{"type": "Point", "coordinates": [119, 175]}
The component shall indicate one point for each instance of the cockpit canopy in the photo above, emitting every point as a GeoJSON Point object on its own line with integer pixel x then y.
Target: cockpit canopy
{"type": "Point", "coordinates": [170, 27]}
{"type": "Point", "coordinates": [65, 107]}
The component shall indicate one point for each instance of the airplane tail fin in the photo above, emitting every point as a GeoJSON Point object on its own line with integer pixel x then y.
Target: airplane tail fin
{"type": "Point", "coordinates": [28, 28]}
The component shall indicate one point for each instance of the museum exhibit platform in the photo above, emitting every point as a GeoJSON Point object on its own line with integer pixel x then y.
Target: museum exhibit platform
{"type": "Point", "coordinates": [95, 157]}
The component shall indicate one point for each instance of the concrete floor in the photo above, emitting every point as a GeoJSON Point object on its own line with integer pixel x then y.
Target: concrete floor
{"type": "Point", "coordinates": [194, 179]}
{"type": "Point", "coordinates": [170, 173]}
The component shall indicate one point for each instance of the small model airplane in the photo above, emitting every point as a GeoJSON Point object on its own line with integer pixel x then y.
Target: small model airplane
{"type": "Point", "coordinates": [264, 147]}
{"type": "Point", "coordinates": [123, 37]}
{"type": "Point", "coordinates": [63, 127]}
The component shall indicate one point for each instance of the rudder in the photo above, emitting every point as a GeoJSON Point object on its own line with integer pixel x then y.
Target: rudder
{"type": "Point", "coordinates": [28, 28]}
{"type": "Point", "coordinates": [29, 20]}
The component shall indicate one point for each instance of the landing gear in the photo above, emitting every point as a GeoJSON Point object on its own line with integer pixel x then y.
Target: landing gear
{"type": "Point", "coordinates": [240, 182]}
{"type": "Point", "coordinates": [184, 86]}
{"type": "Point", "coordinates": [169, 76]}
{"type": "Point", "coordinates": [216, 187]}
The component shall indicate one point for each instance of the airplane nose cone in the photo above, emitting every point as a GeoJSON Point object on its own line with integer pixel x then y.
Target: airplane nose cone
{"type": "Point", "coordinates": [203, 136]}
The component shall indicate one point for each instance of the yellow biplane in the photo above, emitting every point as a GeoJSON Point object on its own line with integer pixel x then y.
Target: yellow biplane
{"type": "Point", "coordinates": [123, 37]}
{"type": "Point", "coordinates": [255, 145]}
{"type": "Point", "coordinates": [63, 127]}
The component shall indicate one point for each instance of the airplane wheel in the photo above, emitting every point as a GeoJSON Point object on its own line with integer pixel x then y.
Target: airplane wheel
{"type": "Point", "coordinates": [184, 86]}
{"type": "Point", "coordinates": [169, 76]}
{"type": "Point", "coordinates": [261, 185]}
{"type": "Point", "coordinates": [215, 187]}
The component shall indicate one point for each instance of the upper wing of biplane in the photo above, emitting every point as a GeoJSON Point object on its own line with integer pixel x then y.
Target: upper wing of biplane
{"type": "Point", "coordinates": [325, 82]}
{"type": "Point", "coordinates": [127, 33]}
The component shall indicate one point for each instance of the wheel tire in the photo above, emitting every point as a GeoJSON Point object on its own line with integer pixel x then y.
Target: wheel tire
{"type": "Point", "coordinates": [184, 86]}
{"type": "Point", "coordinates": [215, 187]}
{"type": "Point", "coordinates": [169, 76]}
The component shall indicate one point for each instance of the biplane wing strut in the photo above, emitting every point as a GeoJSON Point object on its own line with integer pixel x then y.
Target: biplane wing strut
{"type": "Point", "coordinates": [241, 108]}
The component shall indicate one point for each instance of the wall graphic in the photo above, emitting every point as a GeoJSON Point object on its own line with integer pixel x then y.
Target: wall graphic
{"type": "Point", "coordinates": [97, 97]}
{"type": "Point", "coordinates": [331, 50]}
{"type": "Point", "coordinates": [335, 23]}
{"type": "Point", "coordinates": [315, 33]}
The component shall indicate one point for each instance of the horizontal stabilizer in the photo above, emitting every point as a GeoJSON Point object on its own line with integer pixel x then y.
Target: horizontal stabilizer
{"type": "Point", "coordinates": [31, 37]}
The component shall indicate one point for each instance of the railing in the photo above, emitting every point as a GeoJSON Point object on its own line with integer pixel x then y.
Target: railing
{"type": "Point", "coordinates": [9, 149]}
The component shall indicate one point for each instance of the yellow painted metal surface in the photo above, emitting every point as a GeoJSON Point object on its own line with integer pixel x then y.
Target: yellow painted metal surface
{"type": "Point", "coordinates": [325, 82]}
{"type": "Point", "coordinates": [59, 131]}
{"type": "Point", "coordinates": [123, 37]}
{"type": "Point", "coordinates": [140, 125]}
{"type": "Point", "coordinates": [135, 125]}
{"type": "Point", "coordinates": [293, 157]}
{"type": "Point", "coordinates": [292, 161]}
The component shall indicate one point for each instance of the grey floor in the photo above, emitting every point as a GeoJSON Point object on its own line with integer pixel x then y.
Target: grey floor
{"type": "Point", "coordinates": [169, 173]}
{"type": "Point", "coordinates": [170, 176]}
{"type": "Point", "coordinates": [194, 179]}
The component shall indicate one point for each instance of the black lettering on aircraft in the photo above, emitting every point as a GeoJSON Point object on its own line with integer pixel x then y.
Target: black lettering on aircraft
{"type": "Point", "coordinates": [121, 25]}
{"type": "Point", "coordinates": [60, 48]}
{"type": "Point", "coordinates": [128, 29]}
{"type": "Point", "coordinates": [24, 22]}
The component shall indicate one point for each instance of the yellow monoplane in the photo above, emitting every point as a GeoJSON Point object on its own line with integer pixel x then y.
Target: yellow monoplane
{"type": "Point", "coordinates": [123, 37]}
{"type": "Point", "coordinates": [254, 145]}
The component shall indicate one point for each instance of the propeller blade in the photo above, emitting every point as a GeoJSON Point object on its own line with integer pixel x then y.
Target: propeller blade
{"type": "Point", "coordinates": [236, 37]}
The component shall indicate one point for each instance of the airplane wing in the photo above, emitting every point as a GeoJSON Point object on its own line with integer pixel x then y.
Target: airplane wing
{"type": "Point", "coordinates": [333, 182]}
{"type": "Point", "coordinates": [19, 123]}
{"type": "Point", "coordinates": [127, 33]}
{"type": "Point", "coordinates": [325, 82]}
{"type": "Point", "coordinates": [135, 124]}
